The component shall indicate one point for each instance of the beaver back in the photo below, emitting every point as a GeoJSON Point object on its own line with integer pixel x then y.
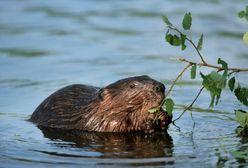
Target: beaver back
{"type": "Point", "coordinates": [65, 107]}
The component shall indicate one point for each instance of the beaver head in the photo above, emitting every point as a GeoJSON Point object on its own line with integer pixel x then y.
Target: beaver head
{"type": "Point", "coordinates": [123, 106]}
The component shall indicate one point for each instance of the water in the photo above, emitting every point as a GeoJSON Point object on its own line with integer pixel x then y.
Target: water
{"type": "Point", "coordinates": [45, 45]}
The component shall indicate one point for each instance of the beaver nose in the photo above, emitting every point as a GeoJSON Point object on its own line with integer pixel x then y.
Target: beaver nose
{"type": "Point", "coordinates": [159, 87]}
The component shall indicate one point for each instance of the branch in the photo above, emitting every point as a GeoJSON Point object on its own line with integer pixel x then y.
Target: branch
{"type": "Point", "coordinates": [180, 74]}
{"type": "Point", "coordinates": [190, 63]}
{"type": "Point", "coordinates": [214, 66]}
{"type": "Point", "coordinates": [191, 42]}
{"type": "Point", "coordinates": [204, 63]}
{"type": "Point", "coordinates": [190, 106]}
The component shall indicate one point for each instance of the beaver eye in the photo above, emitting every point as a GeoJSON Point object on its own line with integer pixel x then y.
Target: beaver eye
{"type": "Point", "coordinates": [132, 85]}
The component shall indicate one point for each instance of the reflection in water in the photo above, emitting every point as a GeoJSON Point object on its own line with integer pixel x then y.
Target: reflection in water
{"type": "Point", "coordinates": [243, 149]}
{"type": "Point", "coordinates": [22, 52]}
{"type": "Point", "coordinates": [115, 145]}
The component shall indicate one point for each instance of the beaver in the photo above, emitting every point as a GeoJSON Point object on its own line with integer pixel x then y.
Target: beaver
{"type": "Point", "coordinates": [119, 107]}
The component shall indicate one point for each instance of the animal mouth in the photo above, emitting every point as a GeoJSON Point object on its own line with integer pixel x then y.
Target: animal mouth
{"type": "Point", "coordinates": [156, 109]}
{"type": "Point", "coordinates": [159, 118]}
{"type": "Point", "coordinates": [159, 105]}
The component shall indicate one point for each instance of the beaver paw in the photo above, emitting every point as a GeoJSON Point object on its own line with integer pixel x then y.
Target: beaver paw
{"type": "Point", "coordinates": [163, 120]}
{"type": "Point", "coordinates": [148, 127]}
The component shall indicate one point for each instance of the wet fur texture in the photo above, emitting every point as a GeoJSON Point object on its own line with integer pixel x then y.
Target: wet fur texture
{"type": "Point", "coordinates": [119, 107]}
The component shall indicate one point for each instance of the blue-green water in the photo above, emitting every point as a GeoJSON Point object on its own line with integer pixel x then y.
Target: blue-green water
{"type": "Point", "coordinates": [45, 45]}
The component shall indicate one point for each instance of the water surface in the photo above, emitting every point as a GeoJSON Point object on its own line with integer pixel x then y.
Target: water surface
{"type": "Point", "coordinates": [45, 45]}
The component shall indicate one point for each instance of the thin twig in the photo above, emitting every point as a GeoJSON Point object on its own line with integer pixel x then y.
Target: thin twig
{"type": "Point", "coordinates": [197, 50]}
{"type": "Point", "coordinates": [174, 81]}
{"type": "Point", "coordinates": [214, 66]}
{"type": "Point", "coordinates": [192, 118]}
{"type": "Point", "coordinates": [192, 43]}
{"type": "Point", "coordinates": [190, 106]}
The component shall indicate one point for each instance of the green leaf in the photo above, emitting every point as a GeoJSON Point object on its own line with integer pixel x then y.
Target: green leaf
{"type": "Point", "coordinates": [223, 63]}
{"type": "Point", "coordinates": [169, 106]}
{"type": "Point", "coordinates": [240, 154]}
{"type": "Point", "coordinates": [214, 83]}
{"type": "Point", "coordinates": [166, 21]}
{"type": "Point", "coordinates": [242, 95]}
{"type": "Point", "coordinates": [224, 66]}
{"type": "Point", "coordinates": [242, 117]}
{"type": "Point", "coordinates": [244, 13]}
{"type": "Point", "coordinates": [199, 45]}
{"type": "Point", "coordinates": [187, 21]}
{"type": "Point", "coordinates": [169, 38]}
{"type": "Point", "coordinates": [174, 40]}
{"type": "Point", "coordinates": [183, 38]}
{"type": "Point", "coordinates": [231, 83]}
{"type": "Point", "coordinates": [245, 38]}
{"type": "Point", "coordinates": [153, 110]}
{"type": "Point", "coordinates": [241, 14]}
{"type": "Point", "coordinates": [193, 71]}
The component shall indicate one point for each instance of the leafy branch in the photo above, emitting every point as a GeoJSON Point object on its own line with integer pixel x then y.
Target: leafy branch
{"type": "Point", "coordinates": [213, 82]}
{"type": "Point", "coordinates": [244, 14]}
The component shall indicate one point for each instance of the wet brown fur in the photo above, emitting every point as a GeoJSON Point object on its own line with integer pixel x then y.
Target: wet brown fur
{"type": "Point", "coordinates": [119, 107]}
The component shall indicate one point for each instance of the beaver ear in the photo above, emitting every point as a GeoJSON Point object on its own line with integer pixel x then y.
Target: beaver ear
{"type": "Point", "coordinates": [101, 94]}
